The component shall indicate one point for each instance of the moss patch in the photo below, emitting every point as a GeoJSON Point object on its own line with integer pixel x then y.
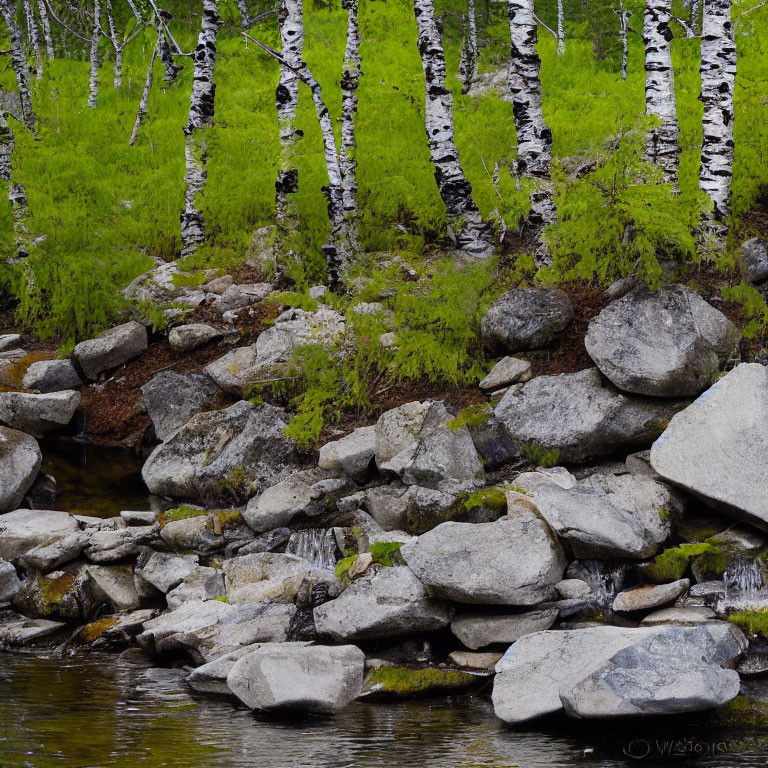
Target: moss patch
{"type": "Point", "coordinates": [93, 631]}
{"type": "Point", "coordinates": [400, 681]}
{"type": "Point", "coordinates": [743, 712]}
{"type": "Point", "coordinates": [183, 512]}
{"type": "Point", "coordinates": [471, 416]}
{"type": "Point", "coordinates": [752, 622]}
{"type": "Point", "coordinates": [672, 563]}
{"type": "Point", "coordinates": [225, 519]}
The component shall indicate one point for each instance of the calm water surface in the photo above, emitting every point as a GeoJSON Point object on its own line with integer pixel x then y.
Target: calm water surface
{"type": "Point", "coordinates": [99, 711]}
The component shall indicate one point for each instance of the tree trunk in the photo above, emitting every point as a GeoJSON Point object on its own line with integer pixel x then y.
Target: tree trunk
{"type": "Point", "coordinates": [534, 138]}
{"type": "Point", "coordinates": [201, 110]}
{"type": "Point", "coordinates": [170, 68]}
{"type": "Point", "coordinates": [16, 192]}
{"type": "Point", "coordinates": [117, 81]}
{"type": "Point", "coordinates": [46, 25]}
{"type": "Point", "coordinates": [718, 75]}
{"type": "Point", "coordinates": [245, 19]}
{"type": "Point", "coordinates": [34, 38]}
{"type": "Point", "coordinates": [624, 26]}
{"type": "Point", "coordinates": [560, 28]}
{"type": "Point", "coordinates": [144, 101]}
{"type": "Point", "coordinates": [350, 80]}
{"type": "Point", "coordinates": [93, 80]}
{"type": "Point", "coordinates": [695, 15]}
{"type": "Point", "coordinates": [463, 217]}
{"type": "Point", "coordinates": [469, 50]}
{"type": "Point", "coordinates": [19, 64]}
{"type": "Point", "coordinates": [291, 23]}
{"type": "Point", "coordinates": [661, 142]}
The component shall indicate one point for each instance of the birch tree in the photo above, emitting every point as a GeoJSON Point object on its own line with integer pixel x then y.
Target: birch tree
{"type": "Point", "coordinates": [662, 141]}
{"type": "Point", "coordinates": [19, 64]}
{"type": "Point", "coordinates": [17, 195]}
{"type": "Point", "coordinates": [624, 15]}
{"type": "Point", "coordinates": [291, 24]}
{"type": "Point", "coordinates": [93, 57]}
{"type": "Point", "coordinates": [337, 251]}
{"type": "Point", "coordinates": [718, 76]}
{"type": "Point", "coordinates": [201, 111]}
{"type": "Point", "coordinates": [33, 36]}
{"type": "Point", "coordinates": [350, 80]}
{"type": "Point", "coordinates": [245, 19]}
{"type": "Point", "coordinates": [118, 44]}
{"type": "Point", "coordinates": [560, 28]}
{"type": "Point", "coordinates": [463, 217]}
{"type": "Point", "coordinates": [469, 50]}
{"type": "Point", "coordinates": [534, 138]}
{"type": "Point", "coordinates": [46, 25]}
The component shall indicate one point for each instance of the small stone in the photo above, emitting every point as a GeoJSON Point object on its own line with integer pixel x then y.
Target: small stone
{"type": "Point", "coordinates": [679, 615]}
{"type": "Point", "coordinates": [509, 370]}
{"type": "Point", "coordinates": [651, 596]}
{"type": "Point", "coordinates": [318, 291]}
{"type": "Point", "coordinates": [470, 660]}
{"type": "Point", "coordinates": [9, 341]}
{"type": "Point", "coordinates": [754, 257]}
{"type": "Point", "coordinates": [481, 630]}
{"type": "Point", "coordinates": [111, 349]}
{"type": "Point", "coordinates": [185, 338]}
{"type": "Point", "coordinates": [51, 376]}
{"type": "Point", "coordinates": [570, 589]}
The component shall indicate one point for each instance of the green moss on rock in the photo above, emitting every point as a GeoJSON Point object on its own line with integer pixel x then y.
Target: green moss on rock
{"type": "Point", "coordinates": [401, 681]}
{"type": "Point", "coordinates": [751, 622]}
{"type": "Point", "coordinates": [672, 563]}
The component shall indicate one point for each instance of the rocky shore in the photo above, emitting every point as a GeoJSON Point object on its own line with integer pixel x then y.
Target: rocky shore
{"type": "Point", "coordinates": [584, 543]}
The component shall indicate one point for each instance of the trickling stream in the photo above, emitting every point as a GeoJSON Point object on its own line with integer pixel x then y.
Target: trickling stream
{"type": "Point", "coordinates": [318, 545]}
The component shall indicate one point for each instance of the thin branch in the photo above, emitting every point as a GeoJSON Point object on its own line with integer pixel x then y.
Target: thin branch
{"type": "Point", "coordinates": [59, 21]}
{"type": "Point", "coordinates": [549, 29]}
{"type": "Point", "coordinates": [168, 34]}
{"type": "Point", "coordinates": [274, 54]}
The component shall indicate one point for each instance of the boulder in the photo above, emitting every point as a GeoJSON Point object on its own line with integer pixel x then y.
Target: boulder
{"type": "Point", "coordinates": [665, 343]}
{"type": "Point", "coordinates": [114, 584]}
{"type": "Point", "coordinates": [754, 259]}
{"type": "Point", "coordinates": [21, 630]}
{"type": "Point", "coordinates": [716, 447]}
{"type": "Point", "coordinates": [479, 630]}
{"type": "Point", "coordinates": [388, 505]}
{"type": "Point", "coordinates": [415, 442]}
{"type": "Point", "coordinates": [266, 542]}
{"type": "Point", "coordinates": [509, 370]}
{"type": "Point", "coordinates": [352, 454]}
{"type": "Point", "coordinates": [573, 589]}
{"type": "Point", "coordinates": [480, 661]}
{"type": "Point", "coordinates": [51, 376]}
{"type": "Point", "coordinates": [687, 614]}
{"type": "Point", "coordinates": [49, 556]}
{"type": "Point", "coordinates": [513, 561]}
{"type": "Point", "coordinates": [185, 338]}
{"type": "Point", "coordinates": [276, 578]}
{"type": "Point", "coordinates": [10, 583]}
{"type": "Point", "coordinates": [9, 341]}
{"type": "Point", "coordinates": [231, 372]}
{"type": "Point", "coordinates": [172, 399]}
{"type": "Point", "coordinates": [651, 596]}
{"type": "Point", "coordinates": [201, 583]}
{"type": "Point", "coordinates": [526, 318]}
{"type": "Point", "coordinates": [38, 414]}
{"type": "Point", "coordinates": [295, 676]}
{"type": "Point", "coordinates": [63, 594]}
{"type": "Point", "coordinates": [609, 515]}
{"type": "Point", "coordinates": [110, 349]}
{"type": "Point", "coordinates": [20, 460]}
{"type": "Point", "coordinates": [540, 667]}
{"type": "Point", "coordinates": [226, 455]}
{"type": "Point", "coordinates": [27, 529]}
{"type": "Point", "coordinates": [243, 295]}
{"type": "Point", "coordinates": [208, 630]}
{"type": "Point", "coordinates": [581, 417]}
{"type": "Point", "coordinates": [165, 571]}
{"type": "Point", "coordinates": [109, 546]}
{"type": "Point", "coordinates": [382, 603]}
{"type": "Point", "coordinates": [678, 670]}
{"type": "Point", "coordinates": [280, 504]}
{"type": "Point", "coordinates": [211, 678]}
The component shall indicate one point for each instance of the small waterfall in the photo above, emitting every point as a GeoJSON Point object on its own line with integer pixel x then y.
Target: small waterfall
{"type": "Point", "coordinates": [605, 580]}
{"type": "Point", "coordinates": [317, 545]}
{"type": "Point", "coordinates": [744, 584]}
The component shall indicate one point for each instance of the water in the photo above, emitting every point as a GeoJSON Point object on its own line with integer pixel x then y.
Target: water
{"type": "Point", "coordinates": [744, 585]}
{"type": "Point", "coordinates": [103, 712]}
{"type": "Point", "coordinates": [93, 480]}
{"type": "Point", "coordinates": [318, 545]}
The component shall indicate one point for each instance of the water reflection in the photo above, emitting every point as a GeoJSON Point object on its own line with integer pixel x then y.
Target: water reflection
{"type": "Point", "coordinates": [93, 480]}
{"type": "Point", "coordinates": [103, 712]}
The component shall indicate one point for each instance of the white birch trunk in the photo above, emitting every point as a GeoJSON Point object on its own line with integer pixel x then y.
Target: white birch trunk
{"type": "Point", "coordinates": [165, 51]}
{"type": "Point", "coordinates": [463, 217]}
{"type": "Point", "coordinates": [144, 101]}
{"type": "Point", "coordinates": [469, 50]}
{"type": "Point", "coordinates": [34, 38]}
{"type": "Point", "coordinates": [46, 25]}
{"type": "Point", "coordinates": [93, 80]}
{"type": "Point", "coordinates": [291, 23]}
{"type": "Point", "coordinates": [19, 64]}
{"type": "Point", "coordinates": [718, 76]}
{"type": "Point", "coordinates": [534, 138]}
{"type": "Point", "coordinates": [201, 110]}
{"type": "Point", "coordinates": [350, 80]}
{"type": "Point", "coordinates": [661, 142]}
{"type": "Point", "coordinates": [560, 28]}
{"type": "Point", "coordinates": [624, 26]}
{"type": "Point", "coordinates": [16, 193]}
{"type": "Point", "coordinates": [695, 15]}
{"type": "Point", "coordinates": [245, 19]}
{"type": "Point", "coordinates": [117, 79]}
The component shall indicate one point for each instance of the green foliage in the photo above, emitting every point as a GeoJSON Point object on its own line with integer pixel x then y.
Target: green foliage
{"type": "Point", "coordinates": [620, 218]}
{"type": "Point", "coordinates": [381, 552]}
{"type": "Point", "coordinates": [471, 416]}
{"type": "Point", "coordinates": [753, 622]}
{"type": "Point", "coordinates": [753, 305]}
{"type": "Point", "coordinates": [540, 455]}
{"type": "Point", "coordinates": [182, 512]}
{"type": "Point", "coordinates": [189, 279]}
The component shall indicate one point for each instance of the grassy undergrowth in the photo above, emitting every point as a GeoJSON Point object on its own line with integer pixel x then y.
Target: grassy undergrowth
{"type": "Point", "coordinates": [106, 209]}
